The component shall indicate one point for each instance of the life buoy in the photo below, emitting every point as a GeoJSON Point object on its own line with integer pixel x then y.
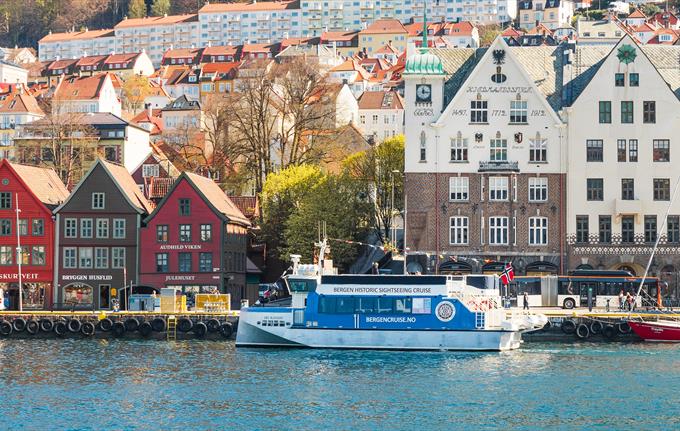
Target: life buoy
{"type": "Point", "coordinates": [184, 325]}
{"type": "Point", "coordinates": [226, 329]}
{"type": "Point", "coordinates": [568, 326]}
{"type": "Point", "coordinates": [200, 329]}
{"type": "Point", "coordinates": [596, 327]}
{"type": "Point", "coordinates": [46, 325]}
{"type": "Point", "coordinates": [623, 328]}
{"type": "Point", "coordinates": [158, 324]}
{"type": "Point", "coordinates": [582, 331]}
{"type": "Point", "coordinates": [19, 324]}
{"type": "Point", "coordinates": [213, 325]}
{"type": "Point", "coordinates": [145, 329]}
{"type": "Point", "coordinates": [118, 329]}
{"type": "Point", "coordinates": [60, 328]}
{"type": "Point", "coordinates": [32, 327]}
{"type": "Point", "coordinates": [87, 329]}
{"type": "Point", "coordinates": [609, 332]}
{"type": "Point", "coordinates": [106, 324]}
{"type": "Point", "coordinates": [131, 324]}
{"type": "Point", "coordinates": [74, 325]}
{"type": "Point", "coordinates": [5, 328]}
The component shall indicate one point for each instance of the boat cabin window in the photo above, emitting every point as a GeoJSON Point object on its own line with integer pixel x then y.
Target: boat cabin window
{"type": "Point", "coordinates": [302, 285]}
{"type": "Point", "coordinates": [422, 305]}
{"type": "Point", "coordinates": [366, 305]}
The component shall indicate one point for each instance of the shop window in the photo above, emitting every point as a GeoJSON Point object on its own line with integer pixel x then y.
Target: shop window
{"type": "Point", "coordinates": [78, 294]}
{"type": "Point", "coordinates": [38, 255]}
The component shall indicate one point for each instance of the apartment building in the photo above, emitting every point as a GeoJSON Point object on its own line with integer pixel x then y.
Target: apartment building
{"type": "Point", "coordinates": [78, 44]}
{"type": "Point", "coordinates": [551, 13]}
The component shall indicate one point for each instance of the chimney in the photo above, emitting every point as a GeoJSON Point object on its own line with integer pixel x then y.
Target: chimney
{"type": "Point", "coordinates": [149, 110]}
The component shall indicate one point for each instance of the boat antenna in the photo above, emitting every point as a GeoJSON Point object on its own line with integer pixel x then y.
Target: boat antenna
{"type": "Point", "coordinates": [656, 243]}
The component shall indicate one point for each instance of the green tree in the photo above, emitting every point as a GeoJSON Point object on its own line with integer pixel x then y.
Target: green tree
{"type": "Point", "coordinates": [650, 9]}
{"type": "Point", "coordinates": [380, 168]}
{"type": "Point", "coordinates": [137, 9]}
{"type": "Point", "coordinates": [487, 33]}
{"type": "Point", "coordinates": [160, 7]}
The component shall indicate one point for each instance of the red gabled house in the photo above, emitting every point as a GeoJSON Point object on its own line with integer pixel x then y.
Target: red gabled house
{"type": "Point", "coordinates": [36, 192]}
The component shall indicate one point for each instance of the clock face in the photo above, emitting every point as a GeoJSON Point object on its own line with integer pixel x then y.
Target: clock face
{"type": "Point", "coordinates": [423, 93]}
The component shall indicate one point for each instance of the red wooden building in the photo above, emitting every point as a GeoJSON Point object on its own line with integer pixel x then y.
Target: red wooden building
{"type": "Point", "coordinates": [196, 240]}
{"type": "Point", "coordinates": [36, 192]}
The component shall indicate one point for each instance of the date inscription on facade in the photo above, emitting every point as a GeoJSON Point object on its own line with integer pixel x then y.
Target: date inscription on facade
{"type": "Point", "coordinates": [423, 112]}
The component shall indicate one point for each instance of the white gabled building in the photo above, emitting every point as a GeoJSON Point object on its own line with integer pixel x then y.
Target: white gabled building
{"type": "Point", "coordinates": [624, 132]}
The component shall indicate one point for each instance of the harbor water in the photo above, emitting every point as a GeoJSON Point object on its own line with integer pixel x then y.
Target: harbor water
{"type": "Point", "coordinates": [125, 384]}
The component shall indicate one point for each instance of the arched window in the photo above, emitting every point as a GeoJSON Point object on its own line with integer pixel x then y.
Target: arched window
{"type": "Point", "coordinates": [423, 146]}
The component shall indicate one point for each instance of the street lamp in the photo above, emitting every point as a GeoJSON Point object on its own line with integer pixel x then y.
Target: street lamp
{"type": "Point", "coordinates": [19, 255]}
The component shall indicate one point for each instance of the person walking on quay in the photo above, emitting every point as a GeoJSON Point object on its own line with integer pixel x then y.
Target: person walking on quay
{"type": "Point", "coordinates": [526, 301]}
{"type": "Point", "coordinates": [621, 302]}
{"type": "Point", "coordinates": [629, 301]}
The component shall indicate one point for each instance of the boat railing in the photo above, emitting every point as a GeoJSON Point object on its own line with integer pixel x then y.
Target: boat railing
{"type": "Point", "coordinates": [477, 303]}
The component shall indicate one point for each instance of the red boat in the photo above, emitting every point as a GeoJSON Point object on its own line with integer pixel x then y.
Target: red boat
{"type": "Point", "coordinates": [661, 330]}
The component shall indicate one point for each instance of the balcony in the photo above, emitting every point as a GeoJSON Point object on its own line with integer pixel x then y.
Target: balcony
{"type": "Point", "coordinates": [498, 166]}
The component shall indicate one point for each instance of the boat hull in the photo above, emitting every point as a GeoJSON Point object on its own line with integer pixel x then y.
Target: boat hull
{"type": "Point", "coordinates": [656, 331]}
{"type": "Point", "coordinates": [252, 334]}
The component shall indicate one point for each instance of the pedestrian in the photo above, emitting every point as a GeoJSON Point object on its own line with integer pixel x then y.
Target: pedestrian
{"type": "Point", "coordinates": [621, 296]}
{"type": "Point", "coordinates": [629, 301]}
{"type": "Point", "coordinates": [526, 301]}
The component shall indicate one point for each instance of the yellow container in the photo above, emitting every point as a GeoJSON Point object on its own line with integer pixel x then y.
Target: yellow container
{"type": "Point", "coordinates": [213, 302]}
{"type": "Point", "coordinates": [173, 304]}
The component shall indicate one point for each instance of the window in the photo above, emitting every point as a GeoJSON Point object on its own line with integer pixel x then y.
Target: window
{"type": "Point", "coordinates": [499, 150]}
{"type": "Point", "coordinates": [621, 150]}
{"type": "Point", "coordinates": [594, 150]}
{"type": "Point", "coordinates": [101, 257]}
{"type": "Point", "coordinates": [619, 79]}
{"type": "Point", "coordinates": [627, 189]}
{"type": "Point", "coordinates": [662, 150]}
{"type": "Point", "coordinates": [185, 233]}
{"type": "Point", "coordinates": [23, 227]}
{"type": "Point", "coordinates": [162, 233]}
{"type": "Point", "coordinates": [70, 259]}
{"type": "Point", "coordinates": [626, 112]}
{"type": "Point", "coordinates": [459, 231]}
{"type": "Point", "coordinates": [119, 228]}
{"type": "Point", "coordinates": [478, 111]}
{"type": "Point", "coordinates": [423, 146]}
{"type": "Point", "coordinates": [650, 228]}
{"type": "Point", "coordinates": [605, 112]}
{"type": "Point", "coordinates": [673, 230]}
{"type": "Point", "coordinates": [206, 232]}
{"type": "Point", "coordinates": [38, 227]}
{"type": "Point", "coordinates": [117, 257]}
{"type": "Point", "coordinates": [649, 112]}
{"type": "Point", "coordinates": [518, 111]}
{"type": "Point", "coordinates": [632, 150]}
{"type": "Point", "coordinates": [5, 200]}
{"type": "Point", "coordinates": [582, 229]}
{"type": "Point", "coordinates": [70, 228]}
{"type": "Point", "coordinates": [595, 189]}
{"type": "Point", "coordinates": [634, 79]}
{"type": "Point", "coordinates": [161, 262]}
{"type": "Point", "coordinates": [459, 188]}
{"type": "Point", "coordinates": [85, 257]}
{"type": "Point", "coordinates": [6, 253]}
{"type": "Point", "coordinates": [627, 229]}
{"type": "Point", "coordinates": [538, 189]}
{"type": "Point", "coordinates": [102, 228]}
{"type": "Point", "coordinates": [662, 189]}
{"type": "Point", "coordinates": [184, 207]}
{"type": "Point", "coordinates": [459, 149]}
{"type": "Point", "coordinates": [98, 201]}
{"type": "Point", "coordinates": [205, 262]}
{"type": "Point", "coordinates": [538, 230]}
{"type": "Point", "coordinates": [111, 154]}
{"type": "Point", "coordinates": [150, 170]}
{"type": "Point", "coordinates": [498, 230]}
{"type": "Point", "coordinates": [605, 223]}
{"type": "Point", "coordinates": [375, 119]}
{"type": "Point", "coordinates": [86, 228]}
{"type": "Point", "coordinates": [5, 227]}
{"type": "Point", "coordinates": [498, 188]}
{"type": "Point", "coordinates": [184, 262]}
{"type": "Point", "coordinates": [538, 149]}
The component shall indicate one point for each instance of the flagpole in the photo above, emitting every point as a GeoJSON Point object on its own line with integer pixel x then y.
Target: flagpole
{"type": "Point", "coordinates": [19, 254]}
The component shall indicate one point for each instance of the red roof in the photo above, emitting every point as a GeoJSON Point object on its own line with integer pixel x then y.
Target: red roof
{"type": "Point", "coordinates": [156, 20]}
{"type": "Point", "coordinates": [637, 13]}
{"type": "Point", "coordinates": [77, 35]}
{"type": "Point", "coordinates": [219, 68]}
{"type": "Point", "coordinates": [153, 118]}
{"type": "Point", "coordinates": [381, 100]}
{"type": "Point", "coordinates": [90, 60]}
{"type": "Point", "coordinates": [337, 36]}
{"type": "Point", "coordinates": [121, 58]}
{"type": "Point", "coordinates": [385, 26]}
{"type": "Point", "coordinates": [254, 6]}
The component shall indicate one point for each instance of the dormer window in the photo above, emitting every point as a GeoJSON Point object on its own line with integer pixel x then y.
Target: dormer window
{"type": "Point", "coordinates": [98, 200]}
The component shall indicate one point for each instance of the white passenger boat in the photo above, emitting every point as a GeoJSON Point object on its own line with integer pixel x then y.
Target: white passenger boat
{"type": "Point", "coordinates": [401, 312]}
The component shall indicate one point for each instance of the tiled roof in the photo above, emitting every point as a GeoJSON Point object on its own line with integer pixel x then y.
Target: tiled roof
{"type": "Point", "coordinates": [90, 60]}
{"type": "Point", "coordinates": [216, 196]}
{"type": "Point", "coordinates": [80, 88]}
{"type": "Point", "coordinates": [337, 36]}
{"type": "Point", "coordinates": [77, 35]}
{"type": "Point", "coordinates": [385, 26]}
{"type": "Point", "coordinates": [144, 117]}
{"type": "Point", "coordinates": [219, 50]}
{"type": "Point", "coordinates": [352, 65]}
{"type": "Point", "coordinates": [387, 49]}
{"type": "Point", "coordinates": [18, 100]}
{"type": "Point", "coordinates": [159, 187]}
{"type": "Point", "coordinates": [637, 13]}
{"type": "Point", "coordinates": [61, 64]}
{"type": "Point", "coordinates": [219, 68]}
{"type": "Point", "coordinates": [156, 20]}
{"type": "Point", "coordinates": [43, 182]}
{"type": "Point", "coordinates": [182, 53]}
{"type": "Point", "coordinates": [380, 100]}
{"type": "Point", "coordinates": [121, 58]}
{"type": "Point", "coordinates": [254, 6]}
{"type": "Point", "coordinates": [248, 205]}
{"type": "Point", "coordinates": [127, 185]}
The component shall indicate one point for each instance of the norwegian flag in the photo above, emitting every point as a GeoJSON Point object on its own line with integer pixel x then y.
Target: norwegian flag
{"type": "Point", "coordinates": [508, 274]}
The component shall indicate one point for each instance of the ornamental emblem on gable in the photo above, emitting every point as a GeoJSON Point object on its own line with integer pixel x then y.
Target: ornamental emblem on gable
{"type": "Point", "coordinates": [626, 54]}
{"type": "Point", "coordinates": [498, 56]}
